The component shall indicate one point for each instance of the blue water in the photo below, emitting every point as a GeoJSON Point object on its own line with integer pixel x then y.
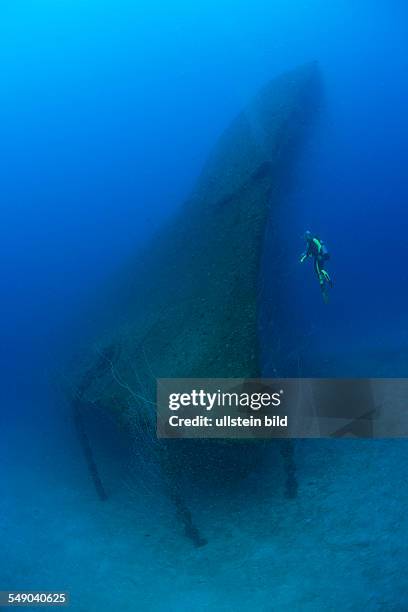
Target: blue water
{"type": "Point", "coordinates": [107, 113]}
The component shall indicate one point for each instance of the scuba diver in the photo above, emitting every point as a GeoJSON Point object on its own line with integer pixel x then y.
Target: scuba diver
{"type": "Point", "coordinates": [317, 249]}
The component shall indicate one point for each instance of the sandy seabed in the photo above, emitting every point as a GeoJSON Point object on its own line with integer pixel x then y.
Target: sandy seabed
{"type": "Point", "coordinates": [340, 545]}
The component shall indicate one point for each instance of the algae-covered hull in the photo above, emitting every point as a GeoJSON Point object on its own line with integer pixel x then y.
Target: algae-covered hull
{"type": "Point", "coordinates": [190, 308]}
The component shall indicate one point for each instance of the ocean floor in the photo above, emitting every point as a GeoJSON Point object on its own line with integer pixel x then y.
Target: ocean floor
{"type": "Point", "coordinates": [340, 545]}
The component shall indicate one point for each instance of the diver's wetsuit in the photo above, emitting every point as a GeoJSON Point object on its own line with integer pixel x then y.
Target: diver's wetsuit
{"type": "Point", "coordinates": [317, 250]}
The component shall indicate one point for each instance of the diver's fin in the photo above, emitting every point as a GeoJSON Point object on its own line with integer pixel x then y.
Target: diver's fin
{"type": "Point", "coordinates": [325, 295]}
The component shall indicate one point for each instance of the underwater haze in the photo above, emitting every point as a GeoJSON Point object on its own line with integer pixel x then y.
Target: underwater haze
{"type": "Point", "coordinates": [108, 111]}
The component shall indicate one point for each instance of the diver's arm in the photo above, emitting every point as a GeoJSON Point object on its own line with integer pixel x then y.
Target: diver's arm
{"type": "Point", "coordinates": [306, 254]}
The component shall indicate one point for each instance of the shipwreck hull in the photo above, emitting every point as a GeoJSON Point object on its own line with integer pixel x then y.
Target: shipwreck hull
{"type": "Point", "coordinates": [190, 308]}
